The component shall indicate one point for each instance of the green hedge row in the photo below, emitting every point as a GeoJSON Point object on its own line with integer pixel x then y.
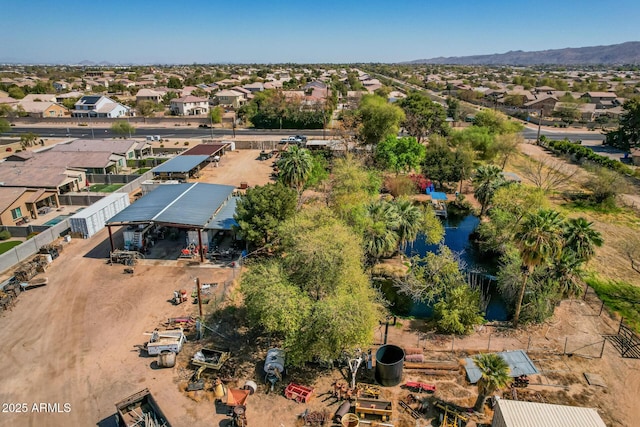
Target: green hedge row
{"type": "Point", "coordinates": [581, 153]}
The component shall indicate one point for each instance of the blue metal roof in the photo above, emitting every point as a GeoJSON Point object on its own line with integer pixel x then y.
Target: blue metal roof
{"type": "Point", "coordinates": [181, 204]}
{"type": "Point", "coordinates": [224, 219]}
{"type": "Point", "coordinates": [180, 164]}
{"type": "Point", "coordinates": [518, 361]}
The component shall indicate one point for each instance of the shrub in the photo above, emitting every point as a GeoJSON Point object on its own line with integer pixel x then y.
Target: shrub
{"type": "Point", "coordinates": [5, 234]}
{"type": "Point", "coordinates": [186, 143]}
{"type": "Point", "coordinates": [400, 185]}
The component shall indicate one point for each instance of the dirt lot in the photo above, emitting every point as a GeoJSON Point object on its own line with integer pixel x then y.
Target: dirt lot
{"type": "Point", "coordinates": [74, 341]}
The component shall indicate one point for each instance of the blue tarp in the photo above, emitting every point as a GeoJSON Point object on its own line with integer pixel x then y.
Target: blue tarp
{"type": "Point", "coordinates": [435, 195]}
{"type": "Point", "coordinates": [518, 361]}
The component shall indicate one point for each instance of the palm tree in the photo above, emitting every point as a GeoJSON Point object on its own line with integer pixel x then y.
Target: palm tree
{"type": "Point", "coordinates": [410, 221]}
{"type": "Point", "coordinates": [295, 167]}
{"type": "Point", "coordinates": [539, 239]}
{"type": "Point", "coordinates": [494, 372]}
{"type": "Point", "coordinates": [487, 180]}
{"type": "Point", "coordinates": [566, 271]}
{"type": "Point", "coordinates": [581, 238]}
{"type": "Point", "coordinates": [380, 234]}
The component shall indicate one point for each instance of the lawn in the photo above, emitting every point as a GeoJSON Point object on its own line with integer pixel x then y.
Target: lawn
{"type": "Point", "coordinates": [105, 188]}
{"type": "Point", "coordinates": [5, 246]}
{"type": "Point", "coordinates": [142, 170]}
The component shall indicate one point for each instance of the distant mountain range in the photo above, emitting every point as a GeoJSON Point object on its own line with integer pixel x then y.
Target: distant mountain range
{"type": "Point", "coordinates": [615, 54]}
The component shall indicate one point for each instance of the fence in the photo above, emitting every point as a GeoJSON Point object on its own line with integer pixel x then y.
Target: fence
{"type": "Point", "coordinates": [85, 199]}
{"type": "Point", "coordinates": [96, 178]}
{"type": "Point", "coordinates": [46, 234]}
{"type": "Point", "coordinates": [30, 247]}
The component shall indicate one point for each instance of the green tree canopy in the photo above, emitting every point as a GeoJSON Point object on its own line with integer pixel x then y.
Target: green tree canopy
{"type": "Point", "coordinates": [423, 117]}
{"type": "Point", "coordinates": [295, 167]}
{"type": "Point", "coordinates": [399, 154]}
{"type": "Point", "coordinates": [4, 126]}
{"type": "Point", "coordinates": [496, 122]}
{"type": "Point", "coordinates": [494, 374]}
{"type": "Point", "coordinates": [261, 210]}
{"type": "Point", "coordinates": [329, 305]}
{"type": "Point", "coordinates": [486, 180]}
{"type": "Point", "coordinates": [627, 136]}
{"type": "Point", "coordinates": [379, 119]}
{"type": "Point", "coordinates": [122, 128]}
{"type": "Point", "coordinates": [215, 114]}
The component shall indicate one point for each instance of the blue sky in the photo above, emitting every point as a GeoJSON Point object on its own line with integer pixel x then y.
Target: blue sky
{"type": "Point", "coordinates": [274, 31]}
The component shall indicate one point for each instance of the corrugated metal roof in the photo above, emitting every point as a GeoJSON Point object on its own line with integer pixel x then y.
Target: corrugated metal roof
{"type": "Point", "coordinates": [180, 164]}
{"type": "Point", "coordinates": [204, 149]}
{"type": "Point", "coordinates": [515, 413]}
{"type": "Point", "coordinates": [183, 204]}
{"type": "Point", "coordinates": [518, 361]}
{"type": "Point", "coordinates": [224, 219]}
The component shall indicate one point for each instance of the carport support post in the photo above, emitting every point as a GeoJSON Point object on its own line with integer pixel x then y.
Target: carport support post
{"type": "Point", "coordinates": [200, 244]}
{"type": "Point", "coordinates": [110, 238]}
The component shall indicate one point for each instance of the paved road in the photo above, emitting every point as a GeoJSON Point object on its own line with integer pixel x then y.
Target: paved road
{"type": "Point", "coordinates": [572, 135]}
{"type": "Point", "coordinates": [195, 132]}
{"type": "Point", "coordinates": [181, 132]}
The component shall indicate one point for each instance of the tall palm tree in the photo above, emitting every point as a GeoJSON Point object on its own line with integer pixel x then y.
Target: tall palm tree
{"type": "Point", "coordinates": [486, 180]}
{"type": "Point", "coordinates": [295, 167]}
{"type": "Point", "coordinates": [380, 234]}
{"type": "Point", "coordinates": [494, 372]}
{"type": "Point", "coordinates": [581, 238]}
{"type": "Point", "coordinates": [410, 221]}
{"type": "Point", "coordinates": [539, 239]}
{"type": "Point", "coordinates": [566, 271]}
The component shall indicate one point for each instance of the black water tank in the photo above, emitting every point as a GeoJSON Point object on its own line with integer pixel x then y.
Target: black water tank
{"type": "Point", "coordinates": [389, 365]}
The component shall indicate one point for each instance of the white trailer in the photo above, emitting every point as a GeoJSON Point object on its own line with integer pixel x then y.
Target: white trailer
{"type": "Point", "coordinates": [93, 218]}
{"type": "Point", "coordinates": [170, 340]}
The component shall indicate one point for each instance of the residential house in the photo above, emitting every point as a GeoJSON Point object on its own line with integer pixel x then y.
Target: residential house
{"type": "Point", "coordinates": [20, 204]}
{"type": "Point", "coordinates": [127, 148]}
{"type": "Point", "coordinates": [601, 99]}
{"type": "Point", "coordinates": [546, 103]}
{"type": "Point", "coordinates": [43, 109]}
{"type": "Point", "coordinates": [152, 95]}
{"type": "Point", "coordinates": [10, 101]}
{"type": "Point", "coordinates": [59, 178]}
{"type": "Point", "coordinates": [587, 111]}
{"type": "Point", "coordinates": [254, 87]}
{"type": "Point", "coordinates": [4, 94]}
{"type": "Point", "coordinates": [189, 106]}
{"type": "Point", "coordinates": [59, 86]}
{"type": "Point", "coordinates": [99, 106]}
{"type": "Point", "coordinates": [230, 98]}
{"type": "Point", "coordinates": [39, 97]}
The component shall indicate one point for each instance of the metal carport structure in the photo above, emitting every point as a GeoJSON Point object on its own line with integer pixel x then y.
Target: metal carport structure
{"type": "Point", "coordinates": [189, 205]}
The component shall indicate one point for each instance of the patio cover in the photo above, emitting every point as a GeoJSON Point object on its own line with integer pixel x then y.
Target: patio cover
{"type": "Point", "coordinates": [189, 205]}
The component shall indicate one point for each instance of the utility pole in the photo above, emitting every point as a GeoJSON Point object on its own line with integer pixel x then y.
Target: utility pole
{"type": "Point", "coordinates": [539, 123]}
{"type": "Point", "coordinates": [211, 121]}
{"type": "Point", "coordinates": [199, 297]}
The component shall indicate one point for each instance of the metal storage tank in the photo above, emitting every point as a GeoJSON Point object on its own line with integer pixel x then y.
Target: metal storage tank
{"type": "Point", "coordinates": [92, 219]}
{"type": "Point", "coordinates": [389, 365]}
{"type": "Point", "coordinates": [274, 361]}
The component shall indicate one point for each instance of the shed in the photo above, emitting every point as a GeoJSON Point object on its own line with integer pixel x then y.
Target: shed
{"type": "Point", "coordinates": [517, 413]}
{"type": "Point", "coordinates": [518, 361]}
{"type": "Point", "coordinates": [93, 218]}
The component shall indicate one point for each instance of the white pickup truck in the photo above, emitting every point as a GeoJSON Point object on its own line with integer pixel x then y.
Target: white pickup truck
{"type": "Point", "coordinates": [170, 340]}
{"type": "Point", "coordinates": [298, 139]}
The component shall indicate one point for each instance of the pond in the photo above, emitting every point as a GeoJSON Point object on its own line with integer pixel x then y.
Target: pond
{"type": "Point", "coordinates": [457, 232]}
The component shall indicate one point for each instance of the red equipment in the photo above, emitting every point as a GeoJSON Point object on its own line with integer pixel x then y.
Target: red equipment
{"type": "Point", "coordinates": [419, 387]}
{"type": "Point", "coordinates": [298, 392]}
